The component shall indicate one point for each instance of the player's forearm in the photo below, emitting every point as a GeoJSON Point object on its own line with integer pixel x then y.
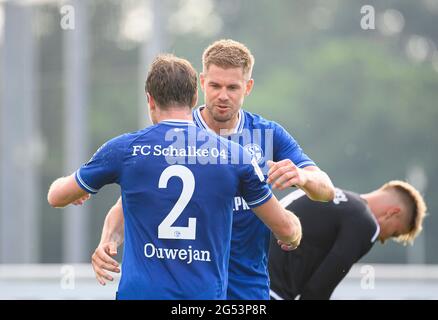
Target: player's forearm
{"type": "Point", "coordinates": [64, 191]}
{"type": "Point", "coordinates": [113, 228]}
{"type": "Point", "coordinates": [283, 223]}
{"type": "Point", "coordinates": [293, 234]}
{"type": "Point", "coordinates": [53, 197]}
{"type": "Point", "coordinates": [318, 186]}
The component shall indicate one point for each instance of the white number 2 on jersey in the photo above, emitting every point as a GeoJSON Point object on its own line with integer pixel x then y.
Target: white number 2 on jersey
{"type": "Point", "coordinates": [165, 229]}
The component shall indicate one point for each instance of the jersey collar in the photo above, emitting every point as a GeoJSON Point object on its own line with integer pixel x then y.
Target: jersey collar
{"type": "Point", "coordinates": [177, 122]}
{"type": "Point", "coordinates": [376, 234]}
{"type": "Point", "coordinates": [199, 120]}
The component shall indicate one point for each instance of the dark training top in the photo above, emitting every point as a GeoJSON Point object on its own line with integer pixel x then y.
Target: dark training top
{"type": "Point", "coordinates": [336, 234]}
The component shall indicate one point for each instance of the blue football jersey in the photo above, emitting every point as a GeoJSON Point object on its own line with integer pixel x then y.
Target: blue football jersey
{"type": "Point", "coordinates": [265, 140]}
{"type": "Point", "coordinates": [177, 184]}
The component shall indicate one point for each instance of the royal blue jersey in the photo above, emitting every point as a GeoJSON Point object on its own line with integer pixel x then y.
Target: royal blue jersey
{"type": "Point", "coordinates": [177, 184]}
{"type": "Point", "coordinates": [265, 140]}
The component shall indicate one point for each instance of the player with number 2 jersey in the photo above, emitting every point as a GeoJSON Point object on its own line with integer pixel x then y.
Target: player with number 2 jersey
{"type": "Point", "coordinates": [177, 217]}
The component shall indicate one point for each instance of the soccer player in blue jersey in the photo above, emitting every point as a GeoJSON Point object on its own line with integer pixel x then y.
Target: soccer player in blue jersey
{"type": "Point", "coordinates": [177, 184]}
{"type": "Point", "coordinates": [226, 81]}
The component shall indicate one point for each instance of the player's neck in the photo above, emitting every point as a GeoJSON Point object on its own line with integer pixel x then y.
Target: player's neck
{"type": "Point", "coordinates": [219, 127]}
{"type": "Point", "coordinates": [174, 114]}
{"type": "Point", "coordinates": [373, 199]}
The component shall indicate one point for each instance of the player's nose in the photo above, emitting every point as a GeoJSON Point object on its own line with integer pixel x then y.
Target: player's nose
{"type": "Point", "coordinates": [223, 95]}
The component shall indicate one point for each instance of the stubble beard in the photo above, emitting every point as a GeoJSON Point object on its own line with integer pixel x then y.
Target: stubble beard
{"type": "Point", "coordinates": [221, 117]}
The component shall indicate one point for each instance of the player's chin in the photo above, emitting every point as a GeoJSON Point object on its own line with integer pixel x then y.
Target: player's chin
{"type": "Point", "coordinates": [223, 117]}
{"type": "Point", "coordinates": [224, 113]}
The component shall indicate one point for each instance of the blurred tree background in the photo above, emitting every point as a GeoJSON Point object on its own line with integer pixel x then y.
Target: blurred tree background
{"type": "Point", "coordinates": [362, 103]}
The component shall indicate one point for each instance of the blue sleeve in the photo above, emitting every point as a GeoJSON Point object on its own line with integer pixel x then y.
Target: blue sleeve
{"type": "Point", "coordinates": [285, 147]}
{"type": "Point", "coordinates": [103, 168]}
{"type": "Point", "coordinates": [253, 186]}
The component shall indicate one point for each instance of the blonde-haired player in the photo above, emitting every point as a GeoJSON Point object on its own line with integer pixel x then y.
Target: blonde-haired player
{"type": "Point", "coordinates": [338, 233]}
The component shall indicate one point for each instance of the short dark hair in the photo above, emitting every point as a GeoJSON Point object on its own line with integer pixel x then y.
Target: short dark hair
{"type": "Point", "coordinates": [172, 81]}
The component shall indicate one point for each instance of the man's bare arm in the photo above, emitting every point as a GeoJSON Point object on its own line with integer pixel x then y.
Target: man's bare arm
{"type": "Point", "coordinates": [319, 187]}
{"type": "Point", "coordinates": [313, 181]}
{"type": "Point", "coordinates": [112, 237]}
{"type": "Point", "coordinates": [113, 227]}
{"type": "Point", "coordinates": [283, 223]}
{"type": "Point", "coordinates": [64, 191]}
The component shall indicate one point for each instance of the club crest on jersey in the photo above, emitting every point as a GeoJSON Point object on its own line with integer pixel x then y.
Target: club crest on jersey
{"type": "Point", "coordinates": [255, 151]}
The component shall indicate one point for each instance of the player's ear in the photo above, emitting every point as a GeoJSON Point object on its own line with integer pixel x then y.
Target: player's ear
{"type": "Point", "coordinates": [249, 85]}
{"type": "Point", "coordinates": [151, 101]}
{"type": "Point", "coordinates": [202, 80]}
{"type": "Point", "coordinates": [195, 99]}
{"type": "Point", "coordinates": [393, 212]}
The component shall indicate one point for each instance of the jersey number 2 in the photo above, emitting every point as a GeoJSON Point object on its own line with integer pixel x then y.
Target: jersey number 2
{"type": "Point", "coordinates": [165, 229]}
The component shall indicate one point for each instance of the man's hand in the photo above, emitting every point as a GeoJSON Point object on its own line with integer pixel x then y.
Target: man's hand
{"type": "Point", "coordinates": [288, 246]}
{"type": "Point", "coordinates": [102, 261]}
{"type": "Point", "coordinates": [81, 201]}
{"type": "Point", "coordinates": [284, 174]}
